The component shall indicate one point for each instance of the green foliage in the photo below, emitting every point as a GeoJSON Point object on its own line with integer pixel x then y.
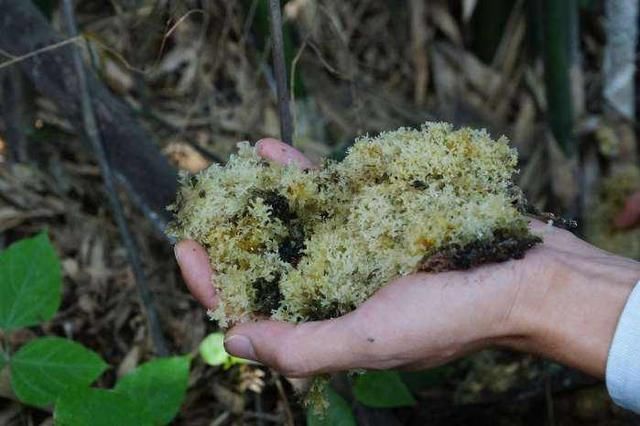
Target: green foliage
{"type": "Point", "coordinates": [425, 379]}
{"type": "Point", "coordinates": [338, 413]}
{"type": "Point", "coordinates": [44, 368]}
{"type": "Point", "coordinates": [212, 349]}
{"type": "Point", "coordinates": [382, 389]}
{"type": "Point", "coordinates": [30, 283]}
{"type": "Point", "coordinates": [160, 385]}
{"type": "Point", "coordinates": [51, 370]}
{"type": "Point", "coordinates": [99, 407]}
{"type": "Point", "coordinates": [150, 394]}
{"type": "Point", "coordinates": [213, 353]}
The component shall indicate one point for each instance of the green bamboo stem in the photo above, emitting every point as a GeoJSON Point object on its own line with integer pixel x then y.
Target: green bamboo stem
{"type": "Point", "coordinates": [280, 70]}
{"type": "Point", "coordinates": [557, 22]}
{"type": "Point", "coordinates": [487, 25]}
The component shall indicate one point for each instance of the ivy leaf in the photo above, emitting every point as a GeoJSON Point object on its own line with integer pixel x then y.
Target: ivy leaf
{"type": "Point", "coordinates": [382, 389]}
{"type": "Point", "coordinates": [30, 283]}
{"type": "Point", "coordinates": [338, 414]}
{"type": "Point", "coordinates": [160, 384]}
{"type": "Point", "coordinates": [44, 368]}
{"type": "Point", "coordinates": [99, 407]}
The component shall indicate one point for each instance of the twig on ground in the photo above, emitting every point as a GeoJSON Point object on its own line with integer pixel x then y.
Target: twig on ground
{"type": "Point", "coordinates": [289, 419]}
{"type": "Point", "coordinates": [151, 187]}
{"type": "Point", "coordinates": [15, 59]}
{"type": "Point", "coordinates": [93, 134]}
{"type": "Point", "coordinates": [259, 413]}
{"type": "Point", "coordinates": [548, 396]}
{"type": "Point", "coordinates": [280, 70]}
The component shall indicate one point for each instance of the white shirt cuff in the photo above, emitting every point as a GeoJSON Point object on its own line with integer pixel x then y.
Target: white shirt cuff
{"type": "Point", "coordinates": [623, 363]}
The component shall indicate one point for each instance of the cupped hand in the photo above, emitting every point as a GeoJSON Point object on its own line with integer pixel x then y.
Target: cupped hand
{"type": "Point", "coordinates": [424, 320]}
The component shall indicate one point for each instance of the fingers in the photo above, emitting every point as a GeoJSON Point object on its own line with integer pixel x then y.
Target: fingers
{"type": "Point", "coordinates": [196, 272]}
{"type": "Point", "coordinates": [280, 152]}
{"type": "Point", "coordinates": [537, 225]}
{"type": "Point", "coordinates": [193, 259]}
{"type": "Point", "coordinates": [304, 349]}
{"type": "Point", "coordinates": [630, 215]}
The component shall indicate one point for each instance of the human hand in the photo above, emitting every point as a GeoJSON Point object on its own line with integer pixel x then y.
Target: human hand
{"type": "Point", "coordinates": [562, 301]}
{"type": "Point", "coordinates": [630, 214]}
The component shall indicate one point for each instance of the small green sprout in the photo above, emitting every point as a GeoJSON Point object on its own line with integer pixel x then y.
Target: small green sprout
{"type": "Point", "coordinates": [213, 353]}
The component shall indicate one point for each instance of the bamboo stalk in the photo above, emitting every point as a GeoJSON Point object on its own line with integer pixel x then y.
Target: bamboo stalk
{"type": "Point", "coordinates": [557, 28]}
{"type": "Point", "coordinates": [487, 25]}
{"type": "Point", "coordinates": [280, 70]}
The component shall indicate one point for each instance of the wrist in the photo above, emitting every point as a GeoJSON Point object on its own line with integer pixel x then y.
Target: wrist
{"type": "Point", "coordinates": [571, 307]}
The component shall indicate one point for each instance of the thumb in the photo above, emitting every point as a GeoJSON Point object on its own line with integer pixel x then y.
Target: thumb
{"type": "Point", "coordinates": [280, 152]}
{"type": "Point", "coordinates": [304, 349]}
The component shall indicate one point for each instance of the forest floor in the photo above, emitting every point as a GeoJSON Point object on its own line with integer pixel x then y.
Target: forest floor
{"type": "Point", "coordinates": [198, 74]}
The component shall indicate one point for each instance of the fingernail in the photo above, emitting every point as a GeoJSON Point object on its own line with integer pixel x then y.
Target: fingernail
{"type": "Point", "coordinates": [259, 144]}
{"type": "Point", "coordinates": [240, 346]}
{"type": "Point", "coordinates": [176, 252]}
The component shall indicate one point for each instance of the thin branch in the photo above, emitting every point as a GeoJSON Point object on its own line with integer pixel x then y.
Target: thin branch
{"type": "Point", "coordinates": [280, 70]}
{"type": "Point", "coordinates": [93, 134]}
{"type": "Point", "coordinates": [98, 43]}
{"type": "Point", "coordinates": [292, 77]}
{"type": "Point", "coordinates": [15, 59]}
{"type": "Point", "coordinates": [172, 29]}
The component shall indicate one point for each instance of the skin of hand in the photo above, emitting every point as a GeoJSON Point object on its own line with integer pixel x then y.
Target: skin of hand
{"type": "Point", "coordinates": [561, 301]}
{"type": "Point", "coordinates": [630, 214]}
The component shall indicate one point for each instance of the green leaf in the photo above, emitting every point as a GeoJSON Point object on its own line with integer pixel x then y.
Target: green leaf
{"type": "Point", "coordinates": [160, 385]}
{"type": "Point", "coordinates": [30, 283]}
{"type": "Point", "coordinates": [382, 389]}
{"type": "Point", "coordinates": [420, 380]}
{"type": "Point", "coordinates": [213, 353]}
{"type": "Point", "coordinates": [212, 349]}
{"type": "Point", "coordinates": [99, 407]}
{"type": "Point", "coordinates": [44, 368]}
{"type": "Point", "coordinates": [338, 414]}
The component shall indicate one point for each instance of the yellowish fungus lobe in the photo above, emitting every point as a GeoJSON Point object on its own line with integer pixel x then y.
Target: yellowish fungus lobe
{"type": "Point", "coordinates": [305, 245]}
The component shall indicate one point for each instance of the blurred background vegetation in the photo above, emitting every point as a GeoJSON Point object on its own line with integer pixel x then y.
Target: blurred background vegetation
{"type": "Point", "coordinates": [557, 77]}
